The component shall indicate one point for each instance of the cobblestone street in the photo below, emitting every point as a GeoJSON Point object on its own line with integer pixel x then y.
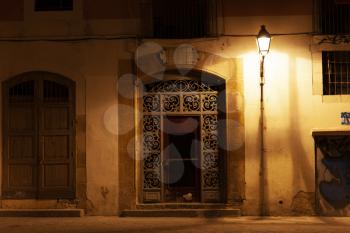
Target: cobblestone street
{"type": "Point", "coordinates": [183, 225]}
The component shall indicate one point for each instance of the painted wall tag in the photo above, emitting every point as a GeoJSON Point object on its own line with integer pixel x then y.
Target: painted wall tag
{"type": "Point", "coordinates": [345, 118]}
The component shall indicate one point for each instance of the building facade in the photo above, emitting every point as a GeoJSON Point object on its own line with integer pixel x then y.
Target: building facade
{"type": "Point", "coordinates": [111, 106]}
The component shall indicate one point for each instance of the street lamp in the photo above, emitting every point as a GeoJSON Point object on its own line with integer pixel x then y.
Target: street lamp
{"type": "Point", "coordinates": [263, 41]}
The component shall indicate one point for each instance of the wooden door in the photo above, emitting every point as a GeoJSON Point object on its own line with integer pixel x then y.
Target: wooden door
{"type": "Point", "coordinates": [20, 140]}
{"type": "Point", "coordinates": [56, 132]}
{"type": "Point", "coordinates": [39, 137]}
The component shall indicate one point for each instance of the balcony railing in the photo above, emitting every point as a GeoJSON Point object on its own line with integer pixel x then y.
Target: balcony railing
{"type": "Point", "coordinates": [180, 18]}
{"type": "Point", "coordinates": [332, 17]}
{"type": "Point", "coordinates": [53, 5]}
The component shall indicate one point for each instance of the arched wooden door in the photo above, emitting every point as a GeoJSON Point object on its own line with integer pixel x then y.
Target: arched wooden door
{"type": "Point", "coordinates": [38, 136]}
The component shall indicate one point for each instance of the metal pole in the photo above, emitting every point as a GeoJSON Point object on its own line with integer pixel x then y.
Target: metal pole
{"type": "Point", "coordinates": [262, 148]}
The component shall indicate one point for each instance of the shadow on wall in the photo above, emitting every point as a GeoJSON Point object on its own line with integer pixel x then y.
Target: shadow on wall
{"type": "Point", "coordinates": [303, 202]}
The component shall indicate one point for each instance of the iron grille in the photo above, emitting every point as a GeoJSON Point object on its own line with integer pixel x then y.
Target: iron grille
{"type": "Point", "coordinates": [336, 72]}
{"type": "Point", "coordinates": [55, 92]}
{"type": "Point", "coordinates": [332, 17]}
{"type": "Point", "coordinates": [180, 18]}
{"type": "Point", "coordinates": [53, 5]}
{"type": "Point", "coordinates": [179, 98]}
{"type": "Point", "coordinates": [22, 92]}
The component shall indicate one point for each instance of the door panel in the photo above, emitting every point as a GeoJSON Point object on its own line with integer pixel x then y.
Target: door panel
{"type": "Point", "coordinates": [20, 141]}
{"type": "Point", "coordinates": [56, 147]}
{"type": "Point", "coordinates": [56, 176]}
{"type": "Point", "coordinates": [21, 147]}
{"type": "Point", "coordinates": [21, 117]}
{"type": "Point", "coordinates": [56, 134]}
{"type": "Point", "coordinates": [21, 175]}
{"type": "Point", "coordinates": [56, 118]}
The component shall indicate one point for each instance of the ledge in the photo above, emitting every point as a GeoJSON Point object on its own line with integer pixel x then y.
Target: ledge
{"type": "Point", "coordinates": [330, 132]}
{"type": "Point", "coordinates": [159, 206]}
{"type": "Point", "coordinates": [41, 212]}
{"type": "Point", "coordinates": [182, 213]}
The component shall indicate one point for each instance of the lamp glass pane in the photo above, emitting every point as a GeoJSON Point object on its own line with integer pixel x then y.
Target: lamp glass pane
{"type": "Point", "coordinates": [264, 45]}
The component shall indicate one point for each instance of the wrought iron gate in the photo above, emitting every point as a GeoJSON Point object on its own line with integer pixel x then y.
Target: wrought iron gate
{"type": "Point", "coordinates": [180, 98]}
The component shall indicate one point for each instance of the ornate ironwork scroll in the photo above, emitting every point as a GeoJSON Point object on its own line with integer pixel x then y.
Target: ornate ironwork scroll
{"type": "Point", "coordinates": [178, 86]}
{"type": "Point", "coordinates": [171, 103]}
{"type": "Point", "coordinates": [191, 103]}
{"type": "Point", "coordinates": [180, 97]}
{"type": "Point", "coordinates": [210, 165]}
{"type": "Point", "coordinates": [151, 103]}
{"type": "Point", "coordinates": [151, 152]}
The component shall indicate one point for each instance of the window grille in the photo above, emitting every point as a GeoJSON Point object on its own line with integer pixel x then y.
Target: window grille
{"type": "Point", "coordinates": [22, 92]}
{"type": "Point", "coordinates": [180, 18]}
{"type": "Point", "coordinates": [332, 17]}
{"type": "Point", "coordinates": [55, 92]}
{"type": "Point", "coordinates": [53, 5]}
{"type": "Point", "coordinates": [336, 72]}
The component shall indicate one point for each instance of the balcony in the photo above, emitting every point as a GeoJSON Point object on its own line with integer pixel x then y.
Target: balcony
{"type": "Point", "coordinates": [332, 17]}
{"type": "Point", "coordinates": [179, 19]}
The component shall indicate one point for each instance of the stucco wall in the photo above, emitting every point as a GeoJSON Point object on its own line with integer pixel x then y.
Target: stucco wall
{"type": "Point", "coordinates": [148, 67]}
{"type": "Point", "coordinates": [93, 66]}
{"type": "Point", "coordinates": [293, 109]}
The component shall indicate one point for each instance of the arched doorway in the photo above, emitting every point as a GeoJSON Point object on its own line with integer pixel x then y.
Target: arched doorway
{"type": "Point", "coordinates": [181, 137]}
{"type": "Point", "coordinates": [39, 137]}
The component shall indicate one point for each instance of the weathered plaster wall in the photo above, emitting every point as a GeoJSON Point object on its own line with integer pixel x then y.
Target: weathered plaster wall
{"type": "Point", "coordinates": [93, 66]}
{"type": "Point", "coordinates": [267, 8]}
{"type": "Point", "coordinates": [292, 111]}
{"type": "Point", "coordinates": [104, 109]}
{"type": "Point", "coordinates": [19, 20]}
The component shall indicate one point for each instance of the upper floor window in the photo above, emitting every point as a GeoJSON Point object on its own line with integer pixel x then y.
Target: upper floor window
{"type": "Point", "coordinates": [332, 17]}
{"type": "Point", "coordinates": [181, 18]}
{"type": "Point", "coordinates": [336, 72]}
{"type": "Point", "coordinates": [53, 5]}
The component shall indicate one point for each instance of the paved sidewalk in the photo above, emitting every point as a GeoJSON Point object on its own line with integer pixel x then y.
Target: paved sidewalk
{"type": "Point", "coordinates": [166, 225]}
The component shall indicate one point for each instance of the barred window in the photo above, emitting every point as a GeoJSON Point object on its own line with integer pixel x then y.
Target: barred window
{"type": "Point", "coordinates": [180, 18]}
{"type": "Point", "coordinates": [336, 72]}
{"type": "Point", "coordinates": [332, 16]}
{"type": "Point", "coordinates": [53, 5]}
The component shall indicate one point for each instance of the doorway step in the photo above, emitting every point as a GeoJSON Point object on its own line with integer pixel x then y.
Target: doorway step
{"type": "Point", "coordinates": [183, 210]}
{"type": "Point", "coordinates": [41, 212]}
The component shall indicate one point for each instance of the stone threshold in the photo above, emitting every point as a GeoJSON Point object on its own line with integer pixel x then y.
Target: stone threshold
{"type": "Point", "coordinates": [157, 206]}
{"type": "Point", "coordinates": [182, 213]}
{"type": "Point", "coordinates": [41, 212]}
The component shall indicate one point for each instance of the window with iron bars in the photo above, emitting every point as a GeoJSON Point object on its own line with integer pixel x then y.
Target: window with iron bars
{"type": "Point", "coordinates": [336, 72]}
{"type": "Point", "coordinates": [332, 17]}
{"type": "Point", "coordinates": [172, 19]}
{"type": "Point", "coordinates": [53, 5]}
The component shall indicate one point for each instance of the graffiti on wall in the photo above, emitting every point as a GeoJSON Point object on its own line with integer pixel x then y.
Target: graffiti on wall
{"type": "Point", "coordinates": [335, 161]}
{"type": "Point", "coordinates": [345, 118]}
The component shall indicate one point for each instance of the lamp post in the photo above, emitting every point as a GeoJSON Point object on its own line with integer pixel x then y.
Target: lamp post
{"type": "Point", "coordinates": [263, 41]}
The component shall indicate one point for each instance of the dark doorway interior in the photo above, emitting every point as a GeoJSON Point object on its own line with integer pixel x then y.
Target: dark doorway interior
{"type": "Point", "coordinates": [182, 158]}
